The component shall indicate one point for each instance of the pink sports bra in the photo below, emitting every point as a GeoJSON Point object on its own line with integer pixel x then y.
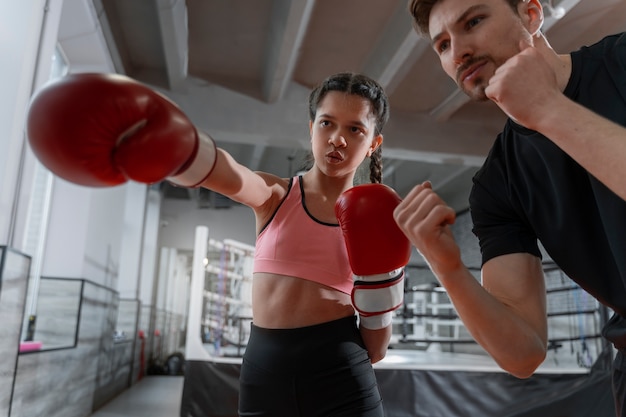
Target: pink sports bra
{"type": "Point", "coordinates": [296, 244]}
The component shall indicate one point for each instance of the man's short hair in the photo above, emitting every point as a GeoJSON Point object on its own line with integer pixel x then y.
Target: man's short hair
{"type": "Point", "coordinates": [420, 10]}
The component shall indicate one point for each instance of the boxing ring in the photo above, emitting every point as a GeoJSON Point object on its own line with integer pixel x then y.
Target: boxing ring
{"type": "Point", "coordinates": [432, 369]}
{"type": "Point", "coordinates": [414, 384]}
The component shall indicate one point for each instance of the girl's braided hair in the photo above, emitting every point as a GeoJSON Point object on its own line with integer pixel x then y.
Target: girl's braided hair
{"type": "Point", "coordinates": [361, 85]}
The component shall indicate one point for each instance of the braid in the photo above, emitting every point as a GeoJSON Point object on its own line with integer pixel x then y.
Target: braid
{"type": "Point", "coordinates": [376, 166]}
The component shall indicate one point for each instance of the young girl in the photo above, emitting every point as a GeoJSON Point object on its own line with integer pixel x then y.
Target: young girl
{"type": "Point", "coordinates": [305, 355]}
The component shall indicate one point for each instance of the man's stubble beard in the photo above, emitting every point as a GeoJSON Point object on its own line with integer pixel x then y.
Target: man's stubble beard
{"type": "Point", "coordinates": [477, 92]}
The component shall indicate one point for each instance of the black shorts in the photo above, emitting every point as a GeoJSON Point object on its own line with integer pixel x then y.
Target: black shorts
{"type": "Point", "coordinates": [315, 371]}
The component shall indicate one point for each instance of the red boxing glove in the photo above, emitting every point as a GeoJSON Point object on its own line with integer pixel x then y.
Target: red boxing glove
{"type": "Point", "coordinates": [378, 251]}
{"type": "Point", "coordinates": [101, 130]}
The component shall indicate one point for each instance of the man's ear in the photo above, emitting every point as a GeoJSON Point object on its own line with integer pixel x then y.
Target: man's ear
{"type": "Point", "coordinates": [531, 12]}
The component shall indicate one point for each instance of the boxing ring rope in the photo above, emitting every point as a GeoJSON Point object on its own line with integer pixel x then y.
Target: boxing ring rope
{"type": "Point", "coordinates": [220, 308]}
{"type": "Point", "coordinates": [220, 311]}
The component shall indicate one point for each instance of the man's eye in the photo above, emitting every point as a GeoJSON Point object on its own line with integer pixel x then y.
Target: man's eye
{"type": "Point", "coordinates": [442, 46]}
{"type": "Point", "coordinates": [474, 21]}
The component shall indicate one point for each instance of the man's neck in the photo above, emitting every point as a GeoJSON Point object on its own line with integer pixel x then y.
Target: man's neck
{"type": "Point", "coordinates": [563, 70]}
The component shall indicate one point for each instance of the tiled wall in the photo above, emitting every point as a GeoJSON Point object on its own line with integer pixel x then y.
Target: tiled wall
{"type": "Point", "coordinates": [72, 382]}
{"type": "Point", "coordinates": [115, 361]}
{"type": "Point", "coordinates": [58, 312]}
{"type": "Point", "coordinates": [13, 287]}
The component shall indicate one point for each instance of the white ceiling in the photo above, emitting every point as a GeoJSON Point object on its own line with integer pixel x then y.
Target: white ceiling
{"type": "Point", "coordinates": [242, 71]}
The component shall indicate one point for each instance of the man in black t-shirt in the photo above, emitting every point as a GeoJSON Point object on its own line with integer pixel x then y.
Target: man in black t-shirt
{"type": "Point", "coordinates": [555, 174]}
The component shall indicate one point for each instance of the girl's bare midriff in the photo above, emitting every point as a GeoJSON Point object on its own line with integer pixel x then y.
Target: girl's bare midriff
{"type": "Point", "coordinates": [283, 302]}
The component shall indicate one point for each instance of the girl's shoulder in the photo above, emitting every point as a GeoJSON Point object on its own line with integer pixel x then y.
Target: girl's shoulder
{"type": "Point", "coordinates": [278, 184]}
{"type": "Point", "coordinates": [280, 187]}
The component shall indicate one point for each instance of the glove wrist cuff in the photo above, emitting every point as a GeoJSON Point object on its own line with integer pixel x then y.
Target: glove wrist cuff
{"type": "Point", "coordinates": [378, 321]}
{"type": "Point", "coordinates": [201, 166]}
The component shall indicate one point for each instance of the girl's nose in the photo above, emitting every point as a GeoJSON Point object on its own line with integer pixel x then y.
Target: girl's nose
{"type": "Point", "coordinates": [337, 140]}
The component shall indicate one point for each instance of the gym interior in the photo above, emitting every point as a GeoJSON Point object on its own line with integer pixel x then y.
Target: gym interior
{"type": "Point", "coordinates": [134, 300]}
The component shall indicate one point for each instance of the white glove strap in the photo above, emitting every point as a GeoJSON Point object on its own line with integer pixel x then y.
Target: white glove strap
{"type": "Point", "coordinates": [377, 294]}
{"type": "Point", "coordinates": [379, 321]}
{"type": "Point", "coordinates": [201, 166]}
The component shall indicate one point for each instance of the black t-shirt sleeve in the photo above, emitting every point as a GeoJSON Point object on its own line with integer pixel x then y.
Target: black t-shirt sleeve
{"type": "Point", "coordinates": [499, 227]}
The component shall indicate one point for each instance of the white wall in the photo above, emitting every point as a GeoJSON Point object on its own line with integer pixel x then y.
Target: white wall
{"type": "Point", "coordinates": [110, 236]}
{"type": "Point", "coordinates": [21, 26]}
{"type": "Point", "coordinates": [149, 254]}
{"type": "Point", "coordinates": [133, 226]}
{"type": "Point", "coordinates": [179, 219]}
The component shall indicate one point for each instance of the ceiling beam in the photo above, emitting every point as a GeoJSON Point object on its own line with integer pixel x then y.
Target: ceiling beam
{"type": "Point", "coordinates": [257, 157]}
{"type": "Point", "coordinates": [84, 45]}
{"type": "Point", "coordinates": [396, 52]}
{"type": "Point", "coordinates": [290, 19]}
{"type": "Point", "coordinates": [172, 15]}
{"type": "Point", "coordinates": [390, 167]}
{"type": "Point", "coordinates": [433, 157]}
{"type": "Point", "coordinates": [449, 106]}
{"type": "Point", "coordinates": [107, 34]}
{"type": "Point", "coordinates": [453, 176]}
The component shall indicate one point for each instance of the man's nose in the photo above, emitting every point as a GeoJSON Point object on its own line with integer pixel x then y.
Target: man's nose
{"type": "Point", "coordinates": [461, 51]}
